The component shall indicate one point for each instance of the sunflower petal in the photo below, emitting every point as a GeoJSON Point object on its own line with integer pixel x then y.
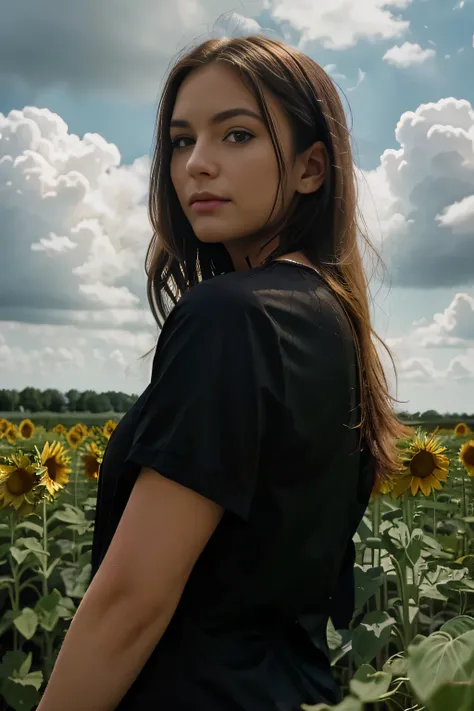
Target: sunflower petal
{"type": "Point", "coordinates": [425, 484]}
{"type": "Point", "coordinates": [401, 486]}
{"type": "Point", "coordinates": [415, 484]}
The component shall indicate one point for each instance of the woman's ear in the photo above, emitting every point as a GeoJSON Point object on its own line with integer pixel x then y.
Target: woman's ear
{"type": "Point", "coordinates": [312, 167]}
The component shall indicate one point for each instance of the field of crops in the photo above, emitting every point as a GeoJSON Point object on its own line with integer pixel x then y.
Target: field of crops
{"type": "Point", "coordinates": [410, 645]}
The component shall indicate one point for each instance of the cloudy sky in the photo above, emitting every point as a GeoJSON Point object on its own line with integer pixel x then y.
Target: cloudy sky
{"type": "Point", "coordinates": [79, 87]}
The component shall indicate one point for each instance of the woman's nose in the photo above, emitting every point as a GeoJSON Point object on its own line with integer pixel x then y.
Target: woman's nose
{"type": "Point", "coordinates": [201, 161]}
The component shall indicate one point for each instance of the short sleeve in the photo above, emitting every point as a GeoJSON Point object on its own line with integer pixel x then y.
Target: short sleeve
{"type": "Point", "coordinates": [202, 421]}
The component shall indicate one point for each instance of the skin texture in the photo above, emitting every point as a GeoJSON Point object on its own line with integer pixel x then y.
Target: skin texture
{"type": "Point", "coordinates": [166, 526]}
{"type": "Point", "coordinates": [234, 159]}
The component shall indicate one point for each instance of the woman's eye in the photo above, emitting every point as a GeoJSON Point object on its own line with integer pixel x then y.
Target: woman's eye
{"type": "Point", "coordinates": [240, 137]}
{"type": "Point", "coordinates": [240, 133]}
{"type": "Point", "coordinates": [175, 141]}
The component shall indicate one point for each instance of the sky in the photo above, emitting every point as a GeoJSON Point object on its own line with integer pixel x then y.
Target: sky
{"type": "Point", "coordinates": [79, 89]}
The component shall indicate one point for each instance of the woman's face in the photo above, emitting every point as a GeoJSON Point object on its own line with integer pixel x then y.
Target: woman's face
{"type": "Point", "coordinates": [232, 157]}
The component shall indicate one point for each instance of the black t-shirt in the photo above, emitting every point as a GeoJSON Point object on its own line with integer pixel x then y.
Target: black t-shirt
{"type": "Point", "coordinates": [252, 403]}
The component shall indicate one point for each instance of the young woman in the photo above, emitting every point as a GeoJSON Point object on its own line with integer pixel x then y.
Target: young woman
{"type": "Point", "coordinates": [230, 492]}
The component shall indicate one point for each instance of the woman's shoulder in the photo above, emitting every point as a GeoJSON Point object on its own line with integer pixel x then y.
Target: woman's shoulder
{"type": "Point", "coordinates": [222, 295]}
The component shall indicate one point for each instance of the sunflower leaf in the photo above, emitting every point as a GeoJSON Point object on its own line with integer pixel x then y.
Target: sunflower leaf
{"type": "Point", "coordinates": [440, 659]}
{"type": "Point", "coordinates": [18, 554]}
{"type": "Point", "coordinates": [369, 685]}
{"type": "Point", "coordinates": [30, 526]}
{"type": "Point", "coordinates": [26, 622]}
{"type": "Point", "coordinates": [458, 625]}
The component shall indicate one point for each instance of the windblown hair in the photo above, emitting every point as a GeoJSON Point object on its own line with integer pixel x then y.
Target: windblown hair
{"type": "Point", "coordinates": [323, 224]}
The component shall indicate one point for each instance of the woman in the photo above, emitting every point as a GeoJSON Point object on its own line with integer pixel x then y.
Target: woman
{"type": "Point", "coordinates": [230, 492]}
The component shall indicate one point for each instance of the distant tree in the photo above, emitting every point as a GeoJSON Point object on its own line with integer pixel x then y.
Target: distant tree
{"type": "Point", "coordinates": [9, 400]}
{"type": "Point", "coordinates": [84, 400]}
{"type": "Point", "coordinates": [72, 397]}
{"type": "Point", "coordinates": [98, 402]}
{"type": "Point", "coordinates": [54, 400]}
{"type": "Point", "coordinates": [31, 399]}
{"type": "Point", "coordinates": [430, 415]}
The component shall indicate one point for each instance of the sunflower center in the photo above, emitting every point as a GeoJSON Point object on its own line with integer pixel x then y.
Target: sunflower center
{"type": "Point", "coordinates": [52, 467]}
{"type": "Point", "coordinates": [20, 482]}
{"type": "Point", "coordinates": [468, 456]}
{"type": "Point", "coordinates": [422, 464]}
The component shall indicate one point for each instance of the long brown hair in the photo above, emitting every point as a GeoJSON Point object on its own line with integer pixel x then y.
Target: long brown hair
{"type": "Point", "coordinates": [323, 224]}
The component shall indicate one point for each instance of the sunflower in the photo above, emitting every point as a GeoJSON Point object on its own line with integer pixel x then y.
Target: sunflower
{"type": "Point", "coordinates": [92, 461]}
{"type": "Point", "coordinates": [74, 438]}
{"type": "Point", "coordinates": [59, 429]}
{"type": "Point", "coordinates": [11, 434]}
{"type": "Point", "coordinates": [109, 427]}
{"type": "Point", "coordinates": [54, 458]}
{"type": "Point", "coordinates": [461, 429]}
{"type": "Point", "coordinates": [4, 425]}
{"type": "Point", "coordinates": [83, 429]}
{"type": "Point", "coordinates": [425, 467]}
{"type": "Point", "coordinates": [26, 429]}
{"type": "Point", "coordinates": [466, 456]}
{"type": "Point", "coordinates": [19, 484]}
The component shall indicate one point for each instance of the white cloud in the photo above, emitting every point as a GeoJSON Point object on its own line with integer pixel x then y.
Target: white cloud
{"type": "Point", "coordinates": [58, 356]}
{"type": "Point", "coordinates": [108, 48]}
{"type": "Point", "coordinates": [460, 368]}
{"type": "Point", "coordinates": [340, 24]}
{"type": "Point", "coordinates": [452, 328]}
{"type": "Point", "coordinates": [74, 222]}
{"type": "Point", "coordinates": [418, 203]}
{"type": "Point", "coordinates": [408, 55]}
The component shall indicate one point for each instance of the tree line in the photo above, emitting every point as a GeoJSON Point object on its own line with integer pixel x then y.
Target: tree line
{"type": "Point", "coordinates": [51, 400]}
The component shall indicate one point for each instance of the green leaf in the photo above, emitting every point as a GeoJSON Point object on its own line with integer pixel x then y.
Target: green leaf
{"type": "Point", "coordinates": [452, 588]}
{"type": "Point", "coordinates": [26, 666]}
{"type": "Point", "coordinates": [11, 662]}
{"type": "Point", "coordinates": [455, 696]}
{"type": "Point", "coordinates": [47, 609]}
{"type": "Point", "coordinates": [32, 544]}
{"type": "Point", "coordinates": [34, 679]}
{"type": "Point", "coordinates": [26, 622]}
{"type": "Point", "coordinates": [367, 582]}
{"type": "Point", "coordinates": [392, 515]}
{"type": "Point", "coordinates": [70, 515]}
{"type": "Point", "coordinates": [52, 567]}
{"type": "Point", "coordinates": [18, 555]}
{"type": "Point", "coordinates": [30, 526]}
{"type": "Point", "coordinates": [334, 639]}
{"type": "Point", "coordinates": [397, 666]}
{"type": "Point", "coordinates": [6, 621]}
{"type": "Point", "coordinates": [439, 659]}
{"type": "Point", "coordinates": [66, 608]}
{"type": "Point", "coordinates": [5, 580]}
{"type": "Point", "coordinates": [349, 704]}
{"type": "Point", "coordinates": [18, 697]}
{"type": "Point", "coordinates": [76, 580]}
{"type": "Point", "coordinates": [458, 625]}
{"type": "Point", "coordinates": [369, 685]}
{"type": "Point", "coordinates": [371, 635]}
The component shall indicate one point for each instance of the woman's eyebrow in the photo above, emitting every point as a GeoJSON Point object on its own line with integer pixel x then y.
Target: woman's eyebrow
{"type": "Point", "coordinates": [219, 117]}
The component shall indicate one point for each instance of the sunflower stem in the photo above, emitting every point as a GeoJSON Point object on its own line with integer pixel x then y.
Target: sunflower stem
{"type": "Point", "coordinates": [402, 584]}
{"type": "Point", "coordinates": [48, 661]}
{"type": "Point", "coordinates": [463, 511]}
{"type": "Point", "coordinates": [74, 478]}
{"type": "Point", "coordinates": [435, 524]}
{"type": "Point", "coordinates": [15, 600]}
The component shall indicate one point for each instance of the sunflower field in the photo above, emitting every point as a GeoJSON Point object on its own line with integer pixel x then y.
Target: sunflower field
{"type": "Point", "coordinates": [410, 645]}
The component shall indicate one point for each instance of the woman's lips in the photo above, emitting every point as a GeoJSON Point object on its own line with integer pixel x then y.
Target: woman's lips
{"type": "Point", "coordinates": [207, 205]}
